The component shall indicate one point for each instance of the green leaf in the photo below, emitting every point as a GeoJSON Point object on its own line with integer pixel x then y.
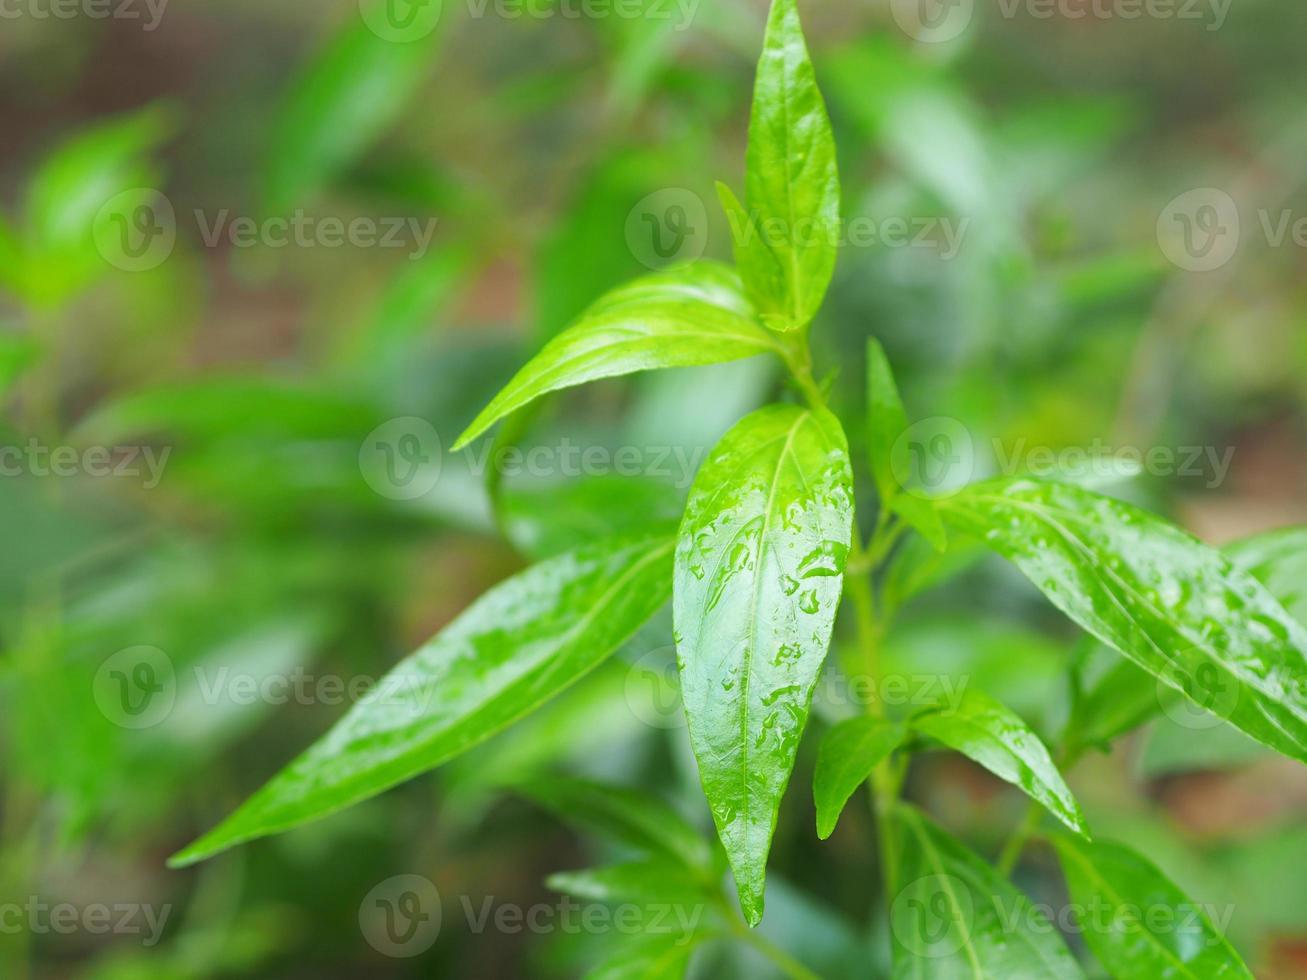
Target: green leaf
{"type": "Point", "coordinates": [759, 572]}
{"type": "Point", "coordinates": [1175, 607]}
{"type": "Point", "coordinates": [792, 185]}
{"type": "Point", "coordinates": [989, 733]}
{"type": "Point", "coordinates": [848, 754]}
{"type": "Point", "coordinates": [887, 421]}
{"type": "Point", "coordinates": [653, 881]}
{"type": "Point", "coordinates": [1277, 559]}
{"type": "Point", "coordinates": [679, 318]}
{"type": "Point", "coordinates": [648, 956]}
{"type": "Point", "coordinates": [953, 916]}
{"type": "Point", "coordinates": [345, 97]}
{"type": "Point", "coordinates": [627, 815]}
{"type": "Point", "coordinates": [514, 648]}
{"type": "Point", "coordinates": [1152, 930]}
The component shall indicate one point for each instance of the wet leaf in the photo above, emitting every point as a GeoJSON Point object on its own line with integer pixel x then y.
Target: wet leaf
{"type": "Point", "coordinates": [1175, 607]}
{"type": "Point", "coordinates": [759, 572]}
{"type": "Point", "coordinates": [848, 754]}
{"type": "Point", "coordinates": [786, 235]}
{"type": "Point", "coordinates": [991, 734]}
{"type": "Point", "coordinates": [1151, 931]}
{"type": "Point", "coordinates": [510, 651]}
{"type": "Point", "coordinates": [679, 318]}
{"type": "Point", "coordinates": [953, 916]}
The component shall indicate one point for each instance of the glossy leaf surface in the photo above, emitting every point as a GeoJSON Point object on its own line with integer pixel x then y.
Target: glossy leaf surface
{"type": "Point", "coordinates": [792, 188]}
{"type": "Point", "coordinates": [683, 317]}
{"type": "Point", "coordinates": [1150, 931]}
{"type": "Point", "coordinates": [848, 754]}
{"type": "Point", "coordinates": [510, 651]}
{"type": "Point", "coordinates": [1177, 608]}
{"type": "Point", "coordinates": [991, 734]}
{"type": "Point", "coordinates": [759, 572]}
{"type": "Point", "coordinates": [953, 916]}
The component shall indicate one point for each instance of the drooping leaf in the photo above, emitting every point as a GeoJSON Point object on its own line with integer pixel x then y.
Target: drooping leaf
{"type": "Point", "coordinates": [759, 572]}
{"type": "Point", "coordinates": [792, 186]}
{"type": "Point", "coordinates": [518, 645]}
{"type": "Point", "coordinates": [679, 318]}
{"type": "Point", "coordinates": [954, 916]}
{"type": "Point", "coordinates": [1123, 697]}
{"type": "Point", "coordinates": [991, 734]}
{"type": "Point", "coordinates": [887, 421]}
{"type": "Point", "coordinates": [633, 817]}
{"type": "Point", "coordinates": [1151, 931]}
{"type": "Point", "coordinates": [848, 754]}
{"type": "Point", "coordinates": [1175, 607]}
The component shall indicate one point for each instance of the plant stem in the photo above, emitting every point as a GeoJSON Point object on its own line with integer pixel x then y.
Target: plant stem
{"type": "Point", "coordinates": [1016, 843]}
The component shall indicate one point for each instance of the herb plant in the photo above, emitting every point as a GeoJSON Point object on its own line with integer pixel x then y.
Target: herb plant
{"type": "Point", "coordinates": [773, 543]}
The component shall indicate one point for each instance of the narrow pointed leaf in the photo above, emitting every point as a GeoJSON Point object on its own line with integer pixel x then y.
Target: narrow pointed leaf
{"type": "Point", "coordinates": [627, 815]}
{"type": "Point", "coordinates": [792, 186]}
{"type": "Point", "coordinates": [759, 572]}
{"type": "Point", "coordinates": [953, 916]}
{"type": "Point", "coordinates": [991, 734]}
{"type": "Point", "coordinates": [848, 754]}
{"type": "Point", "coordinates": [1182, 611]}
{"type": "Point", "coordinates": [679, 318]}
{"type": "Point", "coordinates": [1150, 930]}
{"type": "Point", "coordinates": [657, 881]}
{"type": "Point", "coordinates": [514, 648]}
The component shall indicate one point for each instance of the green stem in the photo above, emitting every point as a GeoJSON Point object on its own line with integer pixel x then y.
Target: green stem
{"type": "Point", "coordinates": [1016, 843]}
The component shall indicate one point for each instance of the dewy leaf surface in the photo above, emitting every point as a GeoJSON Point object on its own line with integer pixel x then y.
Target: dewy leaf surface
{"type": "Point", "coordinates": [953, 917]}
{"type": "Point", "coordinates": [1179, 609]}
{"type": "Point", "coordinates": [682, 317]}
{"type": "Point", "coordinates": [848, 754]}
{"type": "Point", "coordinates": [1148, 930]}
{"type": "Point", "coordinates": [514, 648]}
{"type": "Point", "coordinates": [993, 735]}
{"type": "Point", "coordinates": [759, 572]}
{"type": "Point", "coordinates": [792, 185]}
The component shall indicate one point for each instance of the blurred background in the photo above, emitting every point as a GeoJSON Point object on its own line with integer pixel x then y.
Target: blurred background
{"type": "Point", "coordinates": [260, 264]}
